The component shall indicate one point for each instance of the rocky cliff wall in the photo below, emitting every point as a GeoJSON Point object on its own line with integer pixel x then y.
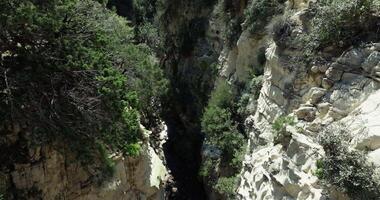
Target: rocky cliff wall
{"type": "Point", "coordinates": [51, 173]}
{"type": "Point", "coordinates": [338, 94]}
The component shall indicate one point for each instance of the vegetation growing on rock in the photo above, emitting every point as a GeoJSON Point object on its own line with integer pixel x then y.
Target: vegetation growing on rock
{"type": "Point", "coordinates": [280, 133]}
{"type": "Point", "coordinates": [72, 72]}
{"type": "Point", "coordinates": [259, 13]}
{"type": "Point", "coordinates": [341, 23]}
{"type": "Point", "coordinates": [347, 169]}
{"type": "Point", "coordinates": [221, 132]}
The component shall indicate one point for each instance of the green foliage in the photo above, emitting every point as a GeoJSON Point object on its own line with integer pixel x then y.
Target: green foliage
{"type": "Point", "coordinates": [279, 128]}
{"type": "Point", "coordinates": [281, 122]}
{"type": "Point", "coordinates": [227, 12]}
{"type": "Point", "coordinates": [249, 95]}
{"type": "Point", "coordinates": [255, 86]}
{"type": "Point", "coordinates": [222, 96]}
{"type": "Point", "coordinates": [149, 34]}
{"type": "Point", "coordinates": [319, 172]}
{"type": "Point", "coordinates": [2, 197]}
{"type": "Point", "coordinates": [280, 30]}
{"type": "Point", "coordinates": [227, 186]}
{"type": "Point", "coordinates": [217, 121]}
{"type": "Point", "coordinates": [233, 30]}
{"type": "Point", "coordinates": [73, 73]}
{"type": "Point", "coordinates": [220, 130]}
{"type": "Point", "coordinates": [207, 167]}
{"type": "Point", "coordinates": [259, 13]}
{"type": "Point", "coordinates": [347, 169]}
{"type": "Point", "coordinates": [242, 104]}
{"type": "Point", "coordinates": [338, 22]}
{"type": "Point", "coordinates": [107, 164]}
{"type": "Point", "coordinates": [220, 127]}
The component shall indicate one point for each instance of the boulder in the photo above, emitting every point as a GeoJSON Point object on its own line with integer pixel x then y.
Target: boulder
{"type": "Point", "coordinates": [374, 157]}
{"type": "Point", "coordinates": [352, 59]}
{"type": "Point", "coordinates": [315, 69]}
{"type": "Point", "coordinates": [306, 113]}
{"type": "Point", "coordinates": [315, 94]}
{"type": "Point", "coordinates": [372, 60]}
{"type": "Point", "coordinates": [334, 73]}
{"type": "Point", "coordinates": [327, 83]}
{"type": "Point", "coordinates": [365, 124]}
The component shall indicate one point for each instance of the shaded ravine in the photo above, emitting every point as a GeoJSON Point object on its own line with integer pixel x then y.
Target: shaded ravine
{"type": "Point", "coordinates": [182, 154]}
{"type": "Point", "coordinates": [183, 110]}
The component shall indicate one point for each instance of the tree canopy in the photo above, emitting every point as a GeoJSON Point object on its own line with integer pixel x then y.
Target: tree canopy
{"type": "Point", "coordinates": [71, 71]}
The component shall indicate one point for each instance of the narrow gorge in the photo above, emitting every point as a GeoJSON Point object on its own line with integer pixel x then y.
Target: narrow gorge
{"type": "Point", "coordinates": [190, 99]}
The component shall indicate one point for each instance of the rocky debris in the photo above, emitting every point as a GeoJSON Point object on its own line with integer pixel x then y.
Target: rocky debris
{"type": "Point", "coordinates": [315, 69]}
{"type": "Point", "coordinates": [364, 123]}
{"type": "Point", "coordinates": [278, 170]}
{"type": "Point", "coordinates": [372, 60]}
{"type": "Point", "coordinates": [275, 173]}
{"type": "Point", "coordinates": [336, 113]}
{"type": "Point", "coordinates": [314, 95]}
{"type": "Point", "coordinates": [323, 108]}
{"type": "Point", "coordinates": [306, 112]}
{"type": "Point", "coordinates": [333, 73]}
{"type": "Point", "coordinates": [323, 68]}
{"type": "Point", "coordinates": [325, 93]}
{"type": "Point", "coordinates": [352, 59]}
{"type": "Point", "coordinates": [376, 73]}
{"type": "Point", "coordinates": [327, 83]}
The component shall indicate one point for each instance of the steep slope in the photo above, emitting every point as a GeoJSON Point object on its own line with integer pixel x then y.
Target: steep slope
{"type": "Point", "coordinates": [267, 99]}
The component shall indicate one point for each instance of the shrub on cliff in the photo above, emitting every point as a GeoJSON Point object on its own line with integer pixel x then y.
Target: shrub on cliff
{"type": "Point", "coordinates": [259, 13]}
{"type": "Point", "coordinates": [227, 186]}
{"type": "Point", "coordinates": [222, 96]}
{"type": "Point", "coordinates": [340, 22]}
{"type": "Point", "coordinates": [221, 131]}
{"type": "Point", "coordinates": [280, 134]}
{"type": "Point", "coordinates": [71, 73]}
{"type": "Point", "coordinates": [220, 125]}
{"type": "Point", "coordinates": [347, 169]}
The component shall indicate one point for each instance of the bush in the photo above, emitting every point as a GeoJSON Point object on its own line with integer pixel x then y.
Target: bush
{"type": "Point", "coordinates": [279, 127]}
{"type": "Point", "coordinates": [228, 13]}
{"type": "Point", "coordinates": [259, 13]}
{"type": "Point", "coordinates": [319, 172]}
{"type": "Point", "coordinates": [233, 30]}
{"type": "Point", "coordinates": [255, 86]}
{"type": "Point", "coordinates": [280, 30]}
{"type": "Point", "coordinates": [347, 169]}
{"type": "Point", "coordinates": [220, 128]}
{"type": "Point", "coordinates": [249, 95]}
{"type": "Point", "coordinates": [227, 186]}
{"type": "Point", "coordinates": [281, 122]}
{"type": "Point", "coordinates": [207, 167]}
{"type": "Point", "coordinates": [339, 22]}
{"type": "Point", "coordinates": [222, 96]}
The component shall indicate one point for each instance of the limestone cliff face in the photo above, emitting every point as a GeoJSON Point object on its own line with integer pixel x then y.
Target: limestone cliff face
{"type": "Point", "coordinates": [341, 93]}
{"type": "Point", "coordinates": [272, 171]}
{"type": "Point", "coordinates": [51, 173]}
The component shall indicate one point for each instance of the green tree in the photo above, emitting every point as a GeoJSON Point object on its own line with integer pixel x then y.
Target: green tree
{"type": "Point", "coordinates": [72, 72]}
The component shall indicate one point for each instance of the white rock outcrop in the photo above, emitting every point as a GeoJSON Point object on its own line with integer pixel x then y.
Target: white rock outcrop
{"type": "Point", "coordinates": [343, 92]}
